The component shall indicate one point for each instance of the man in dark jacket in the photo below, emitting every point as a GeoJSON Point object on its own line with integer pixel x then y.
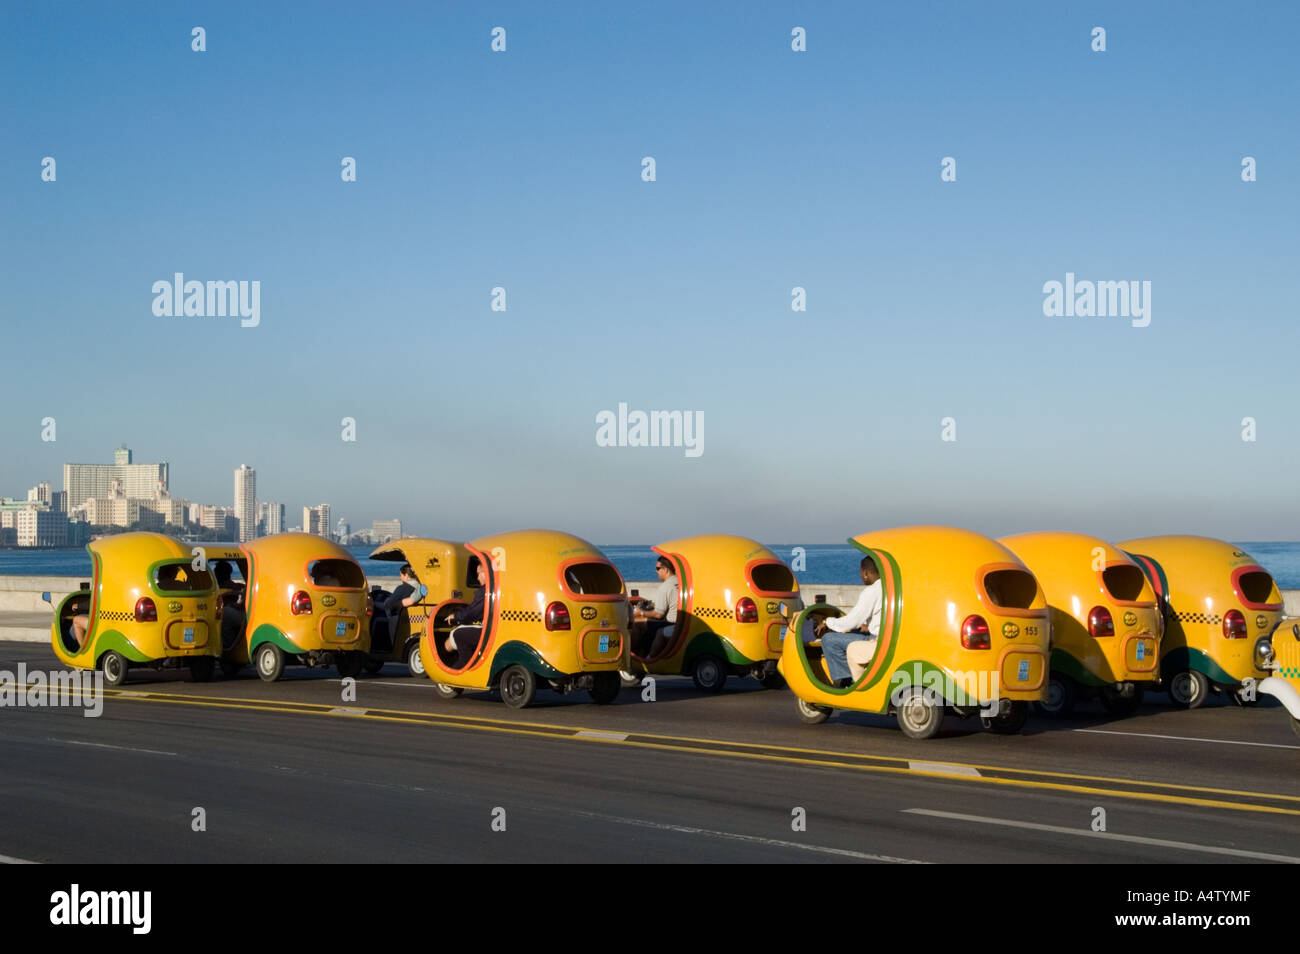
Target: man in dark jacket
{"type": "Point", "coordinates": [468, 623]}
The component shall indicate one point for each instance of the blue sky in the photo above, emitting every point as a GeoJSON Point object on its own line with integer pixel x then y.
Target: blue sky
{"type": "Point", "coordinates": [774, 169]}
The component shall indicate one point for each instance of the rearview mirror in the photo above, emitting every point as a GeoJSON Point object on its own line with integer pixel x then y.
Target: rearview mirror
{"type": "Point", "coordinates": [46, 596]}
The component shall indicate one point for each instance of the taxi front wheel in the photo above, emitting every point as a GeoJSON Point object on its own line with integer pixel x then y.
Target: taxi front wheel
{"type": "Point", "coordinates": [709, 674]}
{"type": "Point", "coordinates": [444, 691]}
{"type": "Point", "coordinates": [920, 714]}
{"type": "Point", "coordinates": [202, 668]}
{"type": "Point", "coordinates": [1188, 689]}
{"type": "Point", "coordinates": [604, 687]}
{"type": "Point", "coordinates": [115, 667]}
{"type": "Point", "coordinates": [413, 660]}
{"type": "Point", "coordinates": [518, 687]}
{"type": "Point", "coordinates": [270, 662]}
{"type": "Point", "coordinates": [811, 713]}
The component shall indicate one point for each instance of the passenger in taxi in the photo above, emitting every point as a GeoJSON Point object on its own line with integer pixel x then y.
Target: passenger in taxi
{"type": "Point", "coordinates": [468, 623]}
{"type": "Point", "coordinates": [862, 623]}
{"type": "Point", "coordinates": [652, 628]}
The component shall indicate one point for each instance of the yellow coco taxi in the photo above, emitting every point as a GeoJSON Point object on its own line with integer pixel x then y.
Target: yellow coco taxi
{"type": "Point", "coordinates": [304, 601]}
{"type": "Point", "coordinates": [1106, 624]}
{"type": "Point", "coordinates": [1219, 607]}
{"type": "Point", "coordinates": [446, 578]}
{"type": "Point", "coordinates": [554, 613]}
{"type": "Point", "coordinates": [147, 606]}
{"type": "Point", "coordinates": [1283, 661]}
{"type": "Point", "coordinates": [971, 636]}
{"type": "Point", "coordinates": [731, 596]}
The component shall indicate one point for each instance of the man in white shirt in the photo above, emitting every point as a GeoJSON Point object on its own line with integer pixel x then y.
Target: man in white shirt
{"type": "Point", "coordinates": [860, 623]}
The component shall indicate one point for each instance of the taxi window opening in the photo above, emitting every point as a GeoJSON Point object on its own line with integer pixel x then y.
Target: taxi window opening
{"type": "Point", "coordinates": [471, 574]}
{"type": "Point", "coordinates": [182, 578]}
{"type": "Point", "coordinates": [772, 578]}
{"type": "Point", "coordinates": [1256, 586]}
{"type": "Point", "coordinates": [593, 579]}
{"type": "Point", "coordinates": [1123, 582]}
{"type": "Point", "coordinates": [336, 573]}
{"type": "Point", "coordinates": [1011, 589]}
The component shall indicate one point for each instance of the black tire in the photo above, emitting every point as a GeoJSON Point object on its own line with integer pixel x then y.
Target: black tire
{"type": "Point", "coordinates": [709, 673]}
{"type": "Point", "coordinates": [1188, 689]}
{"type": "Point", "coordinates": [444, 691]}
{"type": "Point", "coordinates": [231, 669]}
{"type": "Point", "coordinates": [349, 665]}
{"type": "Point", "coordinates": [518, 687]}
{"type": "Point", "coordinates": [413, 661]}
{"type": "Point", "coordinates": [115, 668]}
{"type": "Point", "coordinates": [202, 668]}
{"type": "Point", "coordinates": [605, 687]}
{"type": "Point", "coordinates": [374, 666]}
{"type": "Point", "coordinates": [772, 680]}
{"type": "Point", "coordinates": [269, 661]}
{"type": "Point", "coordinates": [1061, 697]}
{"type": "Point", "coordinates": [919, 714]}
{"type": "Point", "coordinates": [810, 713]}
{"type": "Point", "coordinates": [1008, 721]}
{"type": "Point", "coordinates": [1118, 704]}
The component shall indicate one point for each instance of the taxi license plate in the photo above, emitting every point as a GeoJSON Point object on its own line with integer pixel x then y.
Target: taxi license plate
{"type": "Point", "coordinates": [341, 628]}
{"type": "Point", "coordinates": [604, 642]}
{"type": "Point", "coordinates": [1023, 673]}
{"type": "Point", "coordinates": [189, 634]}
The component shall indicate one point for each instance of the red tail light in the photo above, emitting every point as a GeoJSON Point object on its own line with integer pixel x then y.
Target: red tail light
{"type": "Point", "coordinates": [146, 612]}
{"type": "Point", "coordinates": [370, 605]}
{"type": "Point", "coordinates": [1099, 622]}
{"type": "Point", "coordinates": [975, 633]}
{"type": "Point", "coordinates": [301, 603]}
{"type": "Point", "coordinates": [746, 611]}
{"type": "Point", "coordinates": [1234, 625]}
{"type": "Point", "coordinates": [557, 616]}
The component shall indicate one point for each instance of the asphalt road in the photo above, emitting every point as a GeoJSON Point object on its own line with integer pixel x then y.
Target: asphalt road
{"type": "Point", "coordinates": [295, 772]}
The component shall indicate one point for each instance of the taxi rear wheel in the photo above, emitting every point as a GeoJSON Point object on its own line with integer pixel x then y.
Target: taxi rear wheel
{"type": "Point", "coordinates": [604, 687]}
{"type": "Point", "coordinates": [115, 668]}
{"type": "Point", "coordinates": [1118, 704]}
{"type": "Point", "coordinates": [518, 687]}
{"type": "Point", "coordinates": [1008, 721]}
{"type": "Point", "coordinates": [202, 668]}
{"type": "Point", "coordinates": [1061, 697]}
{"type": "Point", "coordinates": [772, 680]}
{"type": "Point", "coordinates": [349, 665]}
{"type": "Point", "coordinates": [920, 714]}
{"type": "Point", "coordinates": [811, 713]}
{"type": "Point", "coordinates": [444, 691]}
{"type": "Point", "coordinates": [708, 673]}
{"type": "Point", "coordinates": [270, 662]}
{"type": "Point", "coordinates": [1188, 689]}
{"type": "Point", "coordinates": [230, 669]}
{"type": "Point", "coordinates": [413, 660]}
{"type": "Point", "coordinates": [374, 666]}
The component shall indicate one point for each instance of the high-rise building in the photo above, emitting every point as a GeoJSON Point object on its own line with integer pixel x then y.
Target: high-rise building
{"type": "Point", "coordinates": [40, 493]}
{"type": "Point", "coordinates": [270, 518]}
{"type": "Point", "coordinates": [386, 530]}
{"type": "Point", "coordinates": [219, 518]}
{"type": "Point", "coordinates": [246, 502]}
{"type": "Point", "coordinates": [316, 520]}
{"type": "Point", "coordinates": [137, 481]}
{"type": "Point", "coordinates": [41, 527]}
{"type": "Point", "coordinates": [343, 531]}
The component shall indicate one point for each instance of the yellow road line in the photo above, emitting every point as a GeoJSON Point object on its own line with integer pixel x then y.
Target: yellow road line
{"type": "Point", "coordinates": [732, 750]}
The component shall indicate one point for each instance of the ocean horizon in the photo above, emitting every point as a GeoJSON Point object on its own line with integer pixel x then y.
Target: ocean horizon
{"type": "Point", "coordinates": [828, 563]}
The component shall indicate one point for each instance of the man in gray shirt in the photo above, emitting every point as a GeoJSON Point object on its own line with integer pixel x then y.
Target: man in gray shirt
{"type": "Point", "coordinates": [655, 626]}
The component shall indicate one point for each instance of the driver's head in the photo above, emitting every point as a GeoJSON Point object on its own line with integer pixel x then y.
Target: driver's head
{"type": "Point", "coordinates": [869, 571]}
